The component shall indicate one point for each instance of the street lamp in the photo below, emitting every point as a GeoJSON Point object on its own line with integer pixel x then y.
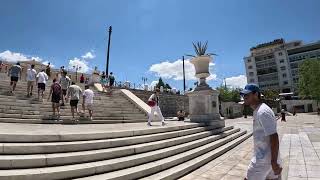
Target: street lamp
{"type": "Point", "coordinates": [144, 79]}
{"type": "Point", "coordinates": [107, 65]}
{"type": "Point", "coordinates": [77, 67]}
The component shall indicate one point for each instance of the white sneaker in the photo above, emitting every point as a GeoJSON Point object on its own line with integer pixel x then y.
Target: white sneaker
{"type": "Point", "coordinates": [149, 124]}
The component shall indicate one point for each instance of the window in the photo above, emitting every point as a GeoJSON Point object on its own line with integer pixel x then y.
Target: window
{"type": "Point", "coordinates": [285, 82]}
{"type": "Point", "coordinates": [280, 53]}
{"type": "Point", "coordinates": [281, 60]}
{"type": "Point", "coordinates": [252, 80]}
{"type": "Point", "coordinates": [249, 60]}
{"type": "Point", "coordinates": [283, 68]}
{"type": "Point", "coordinates": [284, 75]}
{"type": "Point", "coordinates": [251, 73]}
{"type": "Point", "coordinates": [250, 67]}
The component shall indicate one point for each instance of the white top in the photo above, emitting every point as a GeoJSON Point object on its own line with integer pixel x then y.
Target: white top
{"type": "Point", "coordinates": [42, 77]}
{"type": "Point", "coordinates": [31, 75]}
{"type": "Point", "coordinates": [88, 93]}
{"type": "Point", "coordinates": [264, 125]}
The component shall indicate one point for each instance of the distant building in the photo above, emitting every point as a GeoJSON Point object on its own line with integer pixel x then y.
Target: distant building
{"type": "Point", "coordinates": [274, 65]}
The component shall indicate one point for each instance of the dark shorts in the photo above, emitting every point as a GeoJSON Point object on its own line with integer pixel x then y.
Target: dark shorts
{"type": "Point", "coordinates": [42, 86]}
{"type": "Point", "coordinates": [181, 118]}
{"type": "Point", "coordinates": [111, 83]}
{"type": "Point", "coordinates": [14, 79]}
{"type": "Point", "coordinates": [74, 103]}
{"type": "Point", "coordinates": [55, 99]}
{"type": "Point", "coordinates": [64, 92]}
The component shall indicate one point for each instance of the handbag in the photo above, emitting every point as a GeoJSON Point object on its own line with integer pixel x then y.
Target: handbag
{"type": "Point", "coordinates": [151, 103]}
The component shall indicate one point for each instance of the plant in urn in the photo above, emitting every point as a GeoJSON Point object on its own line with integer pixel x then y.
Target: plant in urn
{"type": "Point", "coordinates": [201, 64]}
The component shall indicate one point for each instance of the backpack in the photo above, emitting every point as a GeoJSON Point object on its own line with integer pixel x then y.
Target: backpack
{"type": "Point", "coordinates": [56, 89]}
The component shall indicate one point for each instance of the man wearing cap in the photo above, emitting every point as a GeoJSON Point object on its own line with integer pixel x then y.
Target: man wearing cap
{"type": "Point", "coordinates": [265, 163]}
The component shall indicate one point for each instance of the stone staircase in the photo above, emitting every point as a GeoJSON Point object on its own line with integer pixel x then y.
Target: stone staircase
{"type": "Point", "coordinates": [113, 108]}
{"type": "Point", "coordinates": [152, 153]}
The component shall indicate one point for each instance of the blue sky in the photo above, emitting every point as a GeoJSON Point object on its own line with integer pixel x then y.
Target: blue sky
{"type": "Point", "coordinates": [147, 33]}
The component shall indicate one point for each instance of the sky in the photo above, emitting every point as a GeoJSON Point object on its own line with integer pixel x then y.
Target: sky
{"type": "Point", "coordinates": [150, 37]}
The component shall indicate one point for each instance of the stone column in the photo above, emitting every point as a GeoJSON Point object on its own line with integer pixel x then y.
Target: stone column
{"type": "Point", "coordinates": [204, 107]}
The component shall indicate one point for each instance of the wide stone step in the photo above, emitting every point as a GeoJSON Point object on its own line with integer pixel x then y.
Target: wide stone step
{"type": "Point", "coordinates": [42, 160]}
{"type": "Point", "coordinates": [60, 147]}
{"type": "Point", "coordinates": [129, 167]}
{"type": "Point", "coordinates": [191, 165]}
{"type": "Point", "coordinates": [146, 169]}
{"type": "Point", "coordinates": [95, 117]}
{"type": "Point", "coordinates": [85, 136]}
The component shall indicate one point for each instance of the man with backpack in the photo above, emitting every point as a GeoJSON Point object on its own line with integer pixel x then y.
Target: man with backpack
{"type": "Point", "coordinates": [15, 73]}
{"type": "Point", "coordinates": [74, 92]}
{"type": "Point", "coordinates": [56, 95]}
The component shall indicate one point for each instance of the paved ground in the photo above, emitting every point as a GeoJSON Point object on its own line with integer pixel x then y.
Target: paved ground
{"type": "Point", "coordinates": [299, 147]}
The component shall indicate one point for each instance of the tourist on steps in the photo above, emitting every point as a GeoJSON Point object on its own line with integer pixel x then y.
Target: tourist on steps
{"type": "Point", "coordinates": [42, 79]}
{"type": "Point", "coordinates": [15, 73]}
{"type": "Point", "coordinates": [74, 93]}
{"type": "Point", "coordinates": [265, 163]}
{"type": "Point", "coordinates": [31, 78]}
{"type": "Point", "coordinates": [65, 83]}
{"type": "Point", "coordinates": [88, 101]}
{"type": "Point", "coordinates": [56, 95]}
{"type": "Point", "coordinates": [181, 115]}
{"type": "Point", "coordinates": [154, 104]}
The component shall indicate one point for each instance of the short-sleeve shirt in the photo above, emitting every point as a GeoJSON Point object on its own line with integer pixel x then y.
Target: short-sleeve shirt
{"type": "Point", "coordinates": [15, 71]}
{"type": "Point", "coordinates": [264, 125]}
{"type": "Point", "coordinates": [42, 77]}
{"type": "Point", "coordinates": [74, 91]}
{"type": "Point", "coordinates": [88, 93]}
{"type": "Point", "coordinates": [155, 98]}
{"type": "Point", "coordinates": [31, 75]}
{"type": "Point", "coordinates": [65, 82]}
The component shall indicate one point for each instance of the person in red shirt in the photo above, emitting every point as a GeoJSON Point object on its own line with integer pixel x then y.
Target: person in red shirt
{"type": "Point", "coordinates": [82, 78]}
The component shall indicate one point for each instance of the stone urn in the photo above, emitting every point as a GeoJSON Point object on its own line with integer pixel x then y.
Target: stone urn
{"type": "Point", "coordinates": [201, 65]}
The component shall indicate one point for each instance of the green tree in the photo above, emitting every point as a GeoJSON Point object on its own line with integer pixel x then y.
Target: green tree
{"type": "Point", "coordinates": [167, 86]}
{"type": "Point", "coordinates": [228, 94]}
{"type": "Point", "coordinates": [270, 94]}
{"type": "Point", "coordinates": [309, 79]}
{"type": "Point", "coordinates": [160, 83]}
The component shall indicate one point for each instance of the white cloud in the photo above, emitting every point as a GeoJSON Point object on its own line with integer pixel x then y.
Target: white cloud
{"type": "Point", "coordinates": [173, 70]}
{"type": "Point", "coordinates": [89, 55]}
{"type": "Point", "coordinates": [80, 63]}
{"type": "Point", "coordinates": [13, 57]}
{"type": "Point", "coordinates": [153, 84]}
{"type": "Point", "coordinates": [237, 81]}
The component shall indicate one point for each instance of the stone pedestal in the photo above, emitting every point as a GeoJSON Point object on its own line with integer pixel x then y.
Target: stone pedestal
{"type": "Point", "coordinates": [204, 107]}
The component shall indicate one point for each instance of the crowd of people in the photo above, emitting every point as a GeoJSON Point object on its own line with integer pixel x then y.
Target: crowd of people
{"type": "Point", "coordinates": [62, 89]}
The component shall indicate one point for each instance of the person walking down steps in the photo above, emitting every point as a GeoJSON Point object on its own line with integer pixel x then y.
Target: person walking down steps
{"type": "Point", "coordinates": [153, 102]}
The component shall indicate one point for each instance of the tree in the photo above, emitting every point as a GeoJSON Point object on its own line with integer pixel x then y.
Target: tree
{"type": "Point", "coordinates": [167, 86]}
{"type": "Point", "coordinates": [160, 83]}
{"type": "Point", "coordinates": [228, 94]}
{"type": "Point", "coordinates": [270, 94]}
{"type": "Point", "coordinates": [309, 79]}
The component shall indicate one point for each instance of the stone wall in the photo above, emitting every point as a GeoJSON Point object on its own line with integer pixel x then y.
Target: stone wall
{"type": "Point", "coordinates": [300, 105]}
{"type": "Point", "coordinates": [170, 104]}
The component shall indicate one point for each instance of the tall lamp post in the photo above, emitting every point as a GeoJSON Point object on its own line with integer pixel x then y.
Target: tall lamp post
{"type": "Point", "coordinates": [107, 65]}
{"type": "Point", "coordinates": [184, 76]}
{"type": "Point", "coordinates": [77, 68]}
{"type": "Point", "coordinates": [144, 79]}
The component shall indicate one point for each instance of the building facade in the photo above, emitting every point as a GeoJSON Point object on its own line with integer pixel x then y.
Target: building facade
{"type": "Point", "coordinates": [274, 65]}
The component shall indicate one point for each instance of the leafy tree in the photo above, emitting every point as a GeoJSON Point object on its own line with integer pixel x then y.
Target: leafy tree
{"type": "Point", "coordinates": [167, 86]}
{"type": "Point", "coordinates": [270, 94]}
{"type": "Point", "coordinates": [309, 79]}
{"type": "Point", "coordinates": [228, 94]}
{"type": "Point", "coordinates": [160, 83]}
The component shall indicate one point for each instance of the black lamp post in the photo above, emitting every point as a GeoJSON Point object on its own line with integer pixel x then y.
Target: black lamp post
{"type": "Point", "coordinates": [107, 65]}
{"type": "Point", "coordinates": [184, 77]}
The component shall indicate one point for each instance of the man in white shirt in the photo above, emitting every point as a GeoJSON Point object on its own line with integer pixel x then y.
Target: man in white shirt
{"type": "Point", "coordinates": [265, 163]}
{"type": "Point", "coordinates": [31, 78]}
{"type": "Point", "coordinates": [42, 79]}
{"type": "Point", "coordinates": [88, 100]}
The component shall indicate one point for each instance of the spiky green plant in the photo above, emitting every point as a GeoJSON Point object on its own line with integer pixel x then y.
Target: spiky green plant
{"type": "Point", "coordinates": [201, 49]}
